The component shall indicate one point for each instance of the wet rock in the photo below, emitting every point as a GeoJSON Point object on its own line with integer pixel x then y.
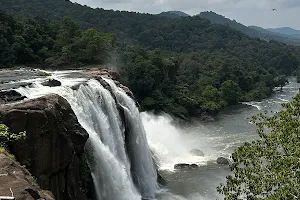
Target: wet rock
{"type": "Point", "coordinates": [75, 87]}
{"type": "Point", "coordinates": [10, 96]}
{"type": "Point", "coordinates": [186, 166]}
{"type": "Point", "coordinates": [54, 148]}
{"type": "Point", "coordinates": [128, 92]}
{"type": "Point", "coordinates": [197, 152]}
{"type": "Point", "coordinates": [205, 117]}
{"type": "Point", "coordinates": [52, 83]}
{"type": "Point", "coordinates": [16, 178]}
{"type": "Point", "coordinates": [104, 83]}
{"type": "Point", "coordinates": [160, 180]}
{"type": "Point", "coordinates": [25, 84]}
{"type": "Point", "coordinates": [98, 72]}
{"type": "Point", "coordinates": [223, 161]}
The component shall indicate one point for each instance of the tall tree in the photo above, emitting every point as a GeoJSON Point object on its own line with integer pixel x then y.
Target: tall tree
{"type": "Point", "coordinates": [268, 168]}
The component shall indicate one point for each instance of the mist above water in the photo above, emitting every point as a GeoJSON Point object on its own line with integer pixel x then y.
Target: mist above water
{"type": "Point", "coordinates": [172, 144]}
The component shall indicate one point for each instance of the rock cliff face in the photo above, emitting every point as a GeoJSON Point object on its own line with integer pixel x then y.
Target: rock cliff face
{"type": "Point", "coordinates": [17, 181]}
{"type": "Point", "coordinates": [54, 149]}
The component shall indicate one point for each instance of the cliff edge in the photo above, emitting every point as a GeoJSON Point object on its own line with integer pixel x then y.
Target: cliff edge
{"type": "Point", "coordinates": [53, 151]}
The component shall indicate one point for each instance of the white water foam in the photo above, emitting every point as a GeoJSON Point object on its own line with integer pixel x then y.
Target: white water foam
{"type": "Point", "coordinates": [172, 145]}
{"type": "Point", "coordinates": [254, 104]}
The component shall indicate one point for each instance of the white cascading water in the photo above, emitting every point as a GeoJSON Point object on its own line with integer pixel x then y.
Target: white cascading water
{"type": "Point", "coordinates": [143, 168]}
{"type": "Point", "coordinates": [172, 144]}
{"type": "Point", "coordinates": [97, 112]}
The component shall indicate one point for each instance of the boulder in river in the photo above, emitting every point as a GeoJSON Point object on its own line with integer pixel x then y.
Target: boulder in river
{"type": "Point", "coordinates": [10, 96]}
{"type": "Point", "coordinates": [223, 161]}
{"type": "Point", "coordinates": [197, 152]}
{"type": "Point", "coordinates": [185, 166]}
{"type": "Point", "coordinates": [52, 83]}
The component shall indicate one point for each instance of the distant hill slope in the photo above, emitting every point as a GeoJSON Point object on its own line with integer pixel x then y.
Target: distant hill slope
{"type": "Point", "coordinates": [185, 34]}
{"type": "Point", "coordinates": [174, 14]}
{"type": "Point", "coordinates": [252, 31]}
{"type": "Point", "coordinates": [285, 31]}
{"type": "Point", "coordinates": [294, 37]}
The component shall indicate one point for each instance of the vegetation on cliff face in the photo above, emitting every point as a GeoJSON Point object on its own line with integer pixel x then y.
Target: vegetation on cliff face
{"type": "Point", "coordinates": [184, 66]}
{"type": "Point", "coordinates": [6, 136]}
{"type": "Point", "coordinates": [268, 168]}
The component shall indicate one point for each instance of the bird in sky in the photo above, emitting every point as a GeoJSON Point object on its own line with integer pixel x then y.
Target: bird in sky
{"type": "Point", "coordinates": [274, 9]}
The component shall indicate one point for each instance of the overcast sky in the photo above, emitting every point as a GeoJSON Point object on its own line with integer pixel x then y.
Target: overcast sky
{"type": "Point", "coordinates": [248, 12]}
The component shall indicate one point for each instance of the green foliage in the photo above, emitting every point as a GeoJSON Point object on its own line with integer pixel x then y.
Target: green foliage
{"type": "Point", "coordinates": [268, 168]}
{"type": "Point", "coordinates": [41, 73]}
{"type": "Point", "coordinates": [5, 152]}
{"type": "Point", "coordinates": [6, 136]}
{"type": "Point", "coordinates": [190, 84]}
{"type": "Point", "coordinates": [184, 66]}
{"type": "Point", "coordinates": [49, 193]}
{"type": "Point", "coordinates": [231, 92]}
{"type": "Point", "coordinates": [36, 40]}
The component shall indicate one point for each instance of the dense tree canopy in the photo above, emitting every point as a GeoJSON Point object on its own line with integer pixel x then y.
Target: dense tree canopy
{"type": "Point", "coordinates": [37, 40]}
{"type": "Point", "coordinates": [184, 66]}
{"type": "Point", "coordinates": [268, 168]}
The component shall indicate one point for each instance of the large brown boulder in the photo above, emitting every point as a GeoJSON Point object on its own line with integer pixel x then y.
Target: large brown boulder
{"type": "Point", "coordinates": [17, 181]}
{"type": "Point", "coordinates": [54, 149]}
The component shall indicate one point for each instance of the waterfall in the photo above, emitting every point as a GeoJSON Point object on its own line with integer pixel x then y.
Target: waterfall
{"type": "Point", "coordinates": [143, 169]}
{"type": "Point", "coordinates": [121, 163]}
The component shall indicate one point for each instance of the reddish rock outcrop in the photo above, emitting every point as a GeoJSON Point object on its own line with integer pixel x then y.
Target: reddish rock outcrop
{"type": "Point", "coordinates": [96, 72]}
{"type": "Point", "coordinates": [54, 149]}
{"type": "Point", "coordinates": [17, 181]}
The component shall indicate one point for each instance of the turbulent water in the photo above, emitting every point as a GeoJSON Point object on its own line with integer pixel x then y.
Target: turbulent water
{"type": "Point", "coordinates": [116, 176]}
{"type": "Point", "coordinates": [122, 165]}
{"type": "Point", "coordinates": [172, 143]}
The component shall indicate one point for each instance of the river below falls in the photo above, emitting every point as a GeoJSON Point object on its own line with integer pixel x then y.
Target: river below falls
{"type": "Point", "coordinates": [171, 144]}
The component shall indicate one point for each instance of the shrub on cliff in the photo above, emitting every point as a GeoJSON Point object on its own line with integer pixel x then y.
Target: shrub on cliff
{"type": "Point", "coordinates": [6, 136]}
{"type": "Point", "coordinates": [268, 168]}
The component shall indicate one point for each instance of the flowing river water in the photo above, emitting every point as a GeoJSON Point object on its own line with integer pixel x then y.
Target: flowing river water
{"type": "Point", "coordinates": [170, 142]}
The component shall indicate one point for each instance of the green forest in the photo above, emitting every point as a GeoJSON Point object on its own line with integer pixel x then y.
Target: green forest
{"type": "Point", "coordinates": [183, 66]}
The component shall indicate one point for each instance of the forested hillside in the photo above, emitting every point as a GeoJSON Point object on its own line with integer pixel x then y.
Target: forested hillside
{"type": "Point", "coordinates": [252, 31]}
{"type": "Point", "coordinates": [286, 31]}
{"type": "Point", "coordinates": [184, 66]}
{"type": "Point", "coordinates": [174, 14]}
{"type": "Point", "coordinates": [37, 40]}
